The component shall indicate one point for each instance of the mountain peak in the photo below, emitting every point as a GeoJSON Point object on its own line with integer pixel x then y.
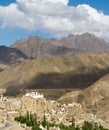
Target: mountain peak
{"type": "Point", "coordinates": [86, 42]}
{"type": "Point", "coordinates": [86, 34]}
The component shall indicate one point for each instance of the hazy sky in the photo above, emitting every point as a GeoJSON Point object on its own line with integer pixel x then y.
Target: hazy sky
{"type": "Point", "coordinates": [52, 18]}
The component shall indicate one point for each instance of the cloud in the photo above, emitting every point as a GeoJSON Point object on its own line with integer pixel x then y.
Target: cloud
{"type": "Point", "coordinates": [54, 17]}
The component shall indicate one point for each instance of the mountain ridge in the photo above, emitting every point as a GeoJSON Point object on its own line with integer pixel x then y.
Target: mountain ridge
{"type": "Point", "coordinates": [85, 42]}
{"type": "Point", "coordinates": [69, 46]}
{"type": "Point", "coordinates": [35, 46]}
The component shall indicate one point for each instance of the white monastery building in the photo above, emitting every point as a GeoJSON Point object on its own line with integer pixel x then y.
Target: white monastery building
{"type": "Point", "coordinates": [35, 95]}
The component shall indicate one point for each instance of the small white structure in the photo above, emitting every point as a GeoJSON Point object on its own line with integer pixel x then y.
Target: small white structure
{"type": "Point", "coordinates": [1, 98]}
{"type": "Point", "coordinates": [12, 111]}
{"type": "Point", "coordinates": [35, 95]}
{"type": "Point", "coordinates": [16, 102]}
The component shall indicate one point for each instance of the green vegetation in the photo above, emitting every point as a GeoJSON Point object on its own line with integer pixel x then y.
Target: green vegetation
{"type": "Point", "coordinates": [31, 121]}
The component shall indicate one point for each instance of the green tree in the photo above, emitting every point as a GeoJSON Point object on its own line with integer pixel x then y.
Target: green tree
{"type": "Point", "coordinates": [36, 127]}
{"type": "Point", "coordinates": [32, 119]}
{"type": "Point", "coordinates": [102, 128]}
{"type": "Point", "coordinates": [29, 123]}
{"type": "Point", "coordinates": [44, 122]}
{"type": "Point", "coordinates": [27, 116]}
{"type": "Point", "coordinates": [48, 126]}
{"type": "Point", "coordinates": [87, 126]}
{"type": "Point", "coordinates": [73, 122]}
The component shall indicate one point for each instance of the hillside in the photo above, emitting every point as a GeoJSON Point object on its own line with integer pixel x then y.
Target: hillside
{"type": "Point", "coordinates": [10, 56]}
{"type": "Point", "coordinates": [94, 98]}
{"type": "Point", "coordinates": [45, 72]}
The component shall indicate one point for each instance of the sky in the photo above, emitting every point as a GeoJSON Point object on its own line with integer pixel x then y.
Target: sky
{"type": "Point", "coordinates": [20, 19]}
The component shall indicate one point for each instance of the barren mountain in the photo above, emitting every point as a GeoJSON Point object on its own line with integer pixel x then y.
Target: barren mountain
{"type": "Point", "coordinates": [86, 42]}
{"type": "Point", "coordinates": [36, 46]}
{"type": "Point", "coordinates": [75, 72]}
{"type": "Point", "coordinates": [71, 45]}
{"type": "Point", "coordinates": [10, 56]}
